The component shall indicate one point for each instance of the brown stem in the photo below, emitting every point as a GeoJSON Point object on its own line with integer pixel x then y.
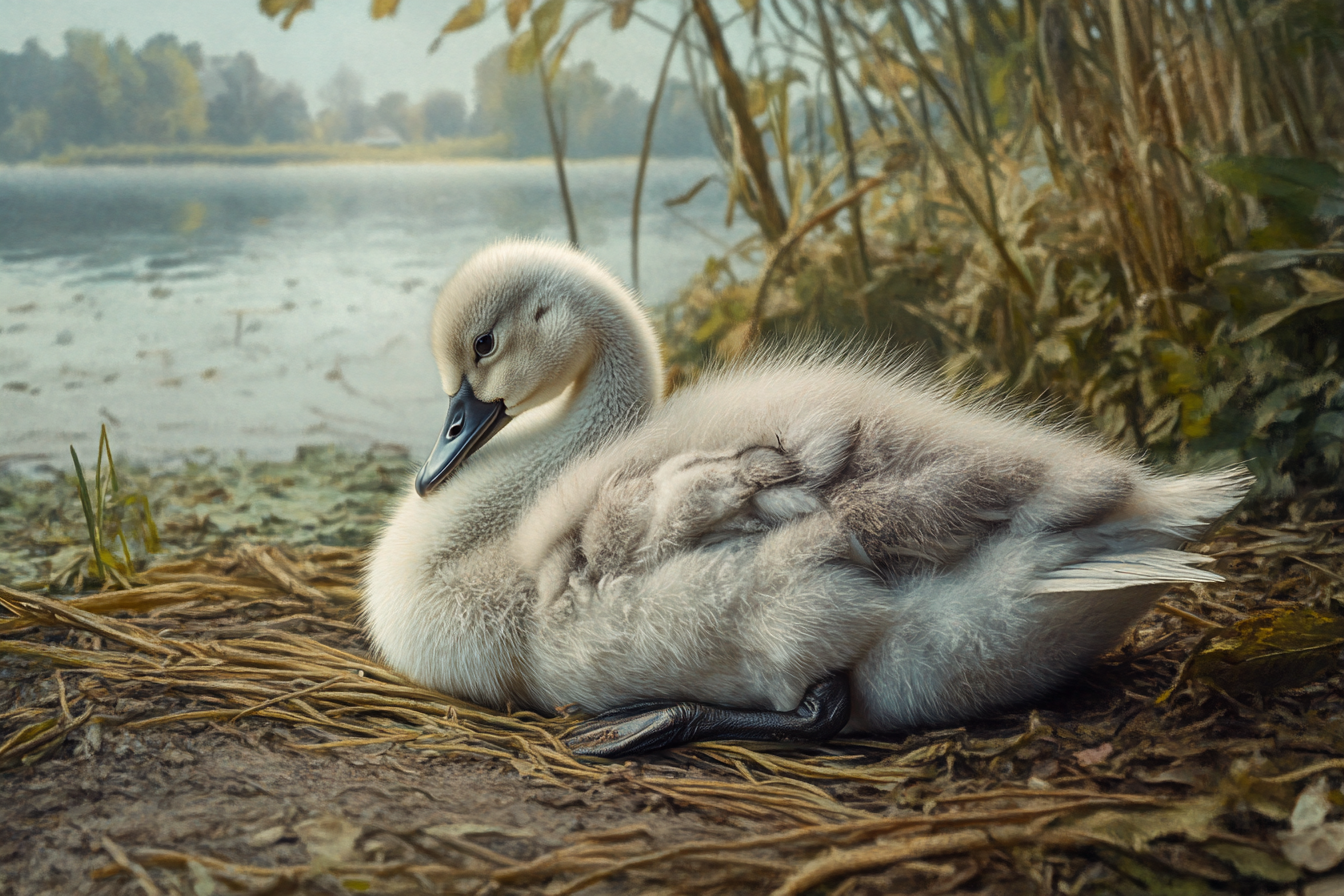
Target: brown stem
{"type": "Point", "coordinates": [851, 165]}
{"type": "Point", "coordinates": [647, 148]}
{"type": "Point", "coordinates": [773, 221]}
{"type": "Point", "coordinates": [557, 148]}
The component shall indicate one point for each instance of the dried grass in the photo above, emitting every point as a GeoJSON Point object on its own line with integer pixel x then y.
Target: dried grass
{"type": "Point", "coordinates": [1100, 784]}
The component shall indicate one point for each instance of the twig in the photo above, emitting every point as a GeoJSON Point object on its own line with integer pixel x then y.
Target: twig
{"type": "Point", "coordinates": [1318, 567]}
{"type": "Point", "coordinates": [119, 856]}
{"type": "Point", "coordinates": [283, 697]}
{"type": "Point", "coordinates": [789, 244]}
{"type": "Point", "coordinates": [1188, 617]}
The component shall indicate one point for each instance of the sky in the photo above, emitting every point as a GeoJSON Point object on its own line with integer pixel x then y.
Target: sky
{"type": "Point", "coordinates": [390, 54]}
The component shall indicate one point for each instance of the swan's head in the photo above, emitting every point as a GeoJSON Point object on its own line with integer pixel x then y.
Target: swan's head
{"type": "Point", "coordinates": [518, 324]}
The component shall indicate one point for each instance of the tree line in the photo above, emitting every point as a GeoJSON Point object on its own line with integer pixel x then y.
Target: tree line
{"type": "Point", "coordinates": [101, 93]}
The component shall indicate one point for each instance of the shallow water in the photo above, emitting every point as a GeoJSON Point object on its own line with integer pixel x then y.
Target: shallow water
{"type": "Point", "coordinates": [257, 309]}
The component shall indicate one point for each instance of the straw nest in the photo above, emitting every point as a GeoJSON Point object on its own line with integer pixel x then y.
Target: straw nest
{"type": "Point", "coordinates": [1202, 754]}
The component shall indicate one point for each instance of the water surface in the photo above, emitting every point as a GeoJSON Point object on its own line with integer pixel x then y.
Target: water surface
{"type": "Point", "coordinates": [257, 309]}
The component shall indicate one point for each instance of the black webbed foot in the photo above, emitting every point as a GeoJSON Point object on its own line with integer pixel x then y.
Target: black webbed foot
{"type": "Point", "coordinates": [643, 727]}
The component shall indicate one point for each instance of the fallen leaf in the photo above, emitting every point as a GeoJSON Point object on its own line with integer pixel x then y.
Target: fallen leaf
{"type": "Point", "coordinates": [1313, 843]}
{"type": "Point", "coordinates": [1326, 886]}
{"type": "Point", "coordinates": [1315, 849]}
{"type": "Point", "coordinates": [266, 837]}
{"type": "Point", "coordinates": [1266, 652]}
{"type": "Point", "coordinates": [1312, 806]}
{"type": "Point", "coordinates": [1133, 830]}
{"type": "Point", "coordinates": [442, 831]}
{"type": "Point", "coordinates": [1094, 755]}
{"type": "Point", "coordinates": [330, 840]}
{"type": "Point", "coordinates": [202, 884]}
{"type": "Point", "coordinates": [1251, 862]}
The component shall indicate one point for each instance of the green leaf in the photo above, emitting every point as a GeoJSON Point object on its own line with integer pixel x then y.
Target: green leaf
{"type": "Point", "coordinates": [104, 445]}
{"type": "Point", "coordinates": [1320, 289]}
{"type": "Point", "coordinates": [89, 518]}
{"type": "Point", "coordinates": [689, 194]}
{"type": "Point", "coordinates": [1300, 184]}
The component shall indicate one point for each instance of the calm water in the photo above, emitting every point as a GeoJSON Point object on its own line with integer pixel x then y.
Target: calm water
{"type": "Point", "coordinates": [258, 309]}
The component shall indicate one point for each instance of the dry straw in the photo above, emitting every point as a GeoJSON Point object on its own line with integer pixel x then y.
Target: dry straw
{"type": "Point", "coordinates": [945, 806]}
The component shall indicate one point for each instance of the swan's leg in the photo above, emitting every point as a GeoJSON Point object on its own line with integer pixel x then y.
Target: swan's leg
{"type": "Point", "coordinates": [824, 710]}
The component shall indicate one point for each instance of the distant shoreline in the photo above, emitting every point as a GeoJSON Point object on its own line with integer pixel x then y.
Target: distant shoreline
{"type": "Point", "coordinates": [464, 150]}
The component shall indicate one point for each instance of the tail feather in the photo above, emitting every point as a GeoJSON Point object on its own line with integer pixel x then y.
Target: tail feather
{"type": "Point", "coordinates": [1183, 508]}
{"type": "Point", "coordinates": [1112, 571]}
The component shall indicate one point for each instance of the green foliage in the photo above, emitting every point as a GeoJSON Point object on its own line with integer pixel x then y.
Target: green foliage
{"type": "Point", "coordinates": [99, 93]}
{"type": "Point", "coordinates": [106, 511]}
{"type": "Point", "coordinates": [599, 119]}
{"type": "Point", "coordinates": [1068, 201]}
{"type": "Point", "coordinates": [103, 100]}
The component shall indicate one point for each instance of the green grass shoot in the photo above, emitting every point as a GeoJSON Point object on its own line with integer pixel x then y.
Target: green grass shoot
{"type": "Point", "coordinates": [106, 514]}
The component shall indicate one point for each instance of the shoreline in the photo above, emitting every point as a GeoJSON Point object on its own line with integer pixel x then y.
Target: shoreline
{"type": "Point", "coordinates": [474, 151]}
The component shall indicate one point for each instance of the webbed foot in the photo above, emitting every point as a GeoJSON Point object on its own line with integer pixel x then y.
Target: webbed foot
{"type": "Point", "coordinates": [643, 727]}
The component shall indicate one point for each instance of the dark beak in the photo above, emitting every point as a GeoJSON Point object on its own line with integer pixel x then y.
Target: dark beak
{"type": "Point", "coordinates": [471, 423]}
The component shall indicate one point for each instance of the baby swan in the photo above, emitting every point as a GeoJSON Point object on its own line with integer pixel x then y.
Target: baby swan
{"type": "Point", "coordinates": [786, 547]}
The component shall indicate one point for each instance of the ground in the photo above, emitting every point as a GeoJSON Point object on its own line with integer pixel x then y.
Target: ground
{"type": "Point", "coordinates": [219, 727]}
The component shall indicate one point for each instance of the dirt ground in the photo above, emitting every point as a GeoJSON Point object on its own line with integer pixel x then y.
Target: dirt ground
{"type": "Point", "coordinates": [215, 791]}
{"type": "Point", "coordinates": [220, 728]}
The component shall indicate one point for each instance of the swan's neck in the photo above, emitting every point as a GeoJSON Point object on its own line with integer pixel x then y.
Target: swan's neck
{"type": "Point", "coordinates": [619, 384]}
{"type": "Point", "coordinates": [439, 597]}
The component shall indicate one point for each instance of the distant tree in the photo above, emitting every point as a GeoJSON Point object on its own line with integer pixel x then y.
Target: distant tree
{"type": "Point", "coordinates": [680, 129]}
{"type": "Point", "coordinates": [395, 112]}
{"type": "Point", "coordinates": [28, 81]}
{"type": "Point", "coordinates": [101, 92]}
{"type": "Point", "coordinates": [246, 106]}
{"type": "Point", "coordinates": [235, 90]}
{"type": "Point", "coordinates": [597, 119]}
{"type": "Point", "coordinates": [177, 109]}
{"type": "Point", "coordinates": [445, 114]}
{"type": "Point", "coordinates": [287, 119]}
{"type": "Point", "coordinates": [346, 116]}
{"type": "Point", "coordinates": [583, 96]}
{"type": "Point", "coordinates": [25, 136]}
{"type": "Point", "coordinates": [509, 104]}
{"type": "Point", "coordinates": [89, 97]}
{"type": "Point", "coordinates": [130, 115]}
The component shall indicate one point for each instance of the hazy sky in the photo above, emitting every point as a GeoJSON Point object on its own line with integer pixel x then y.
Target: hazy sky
{"type": "Point", "coordinates": [390, 54]}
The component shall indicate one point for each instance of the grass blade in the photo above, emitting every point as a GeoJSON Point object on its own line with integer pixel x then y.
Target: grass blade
{"type": "Point", "coordinates": [89, 518]}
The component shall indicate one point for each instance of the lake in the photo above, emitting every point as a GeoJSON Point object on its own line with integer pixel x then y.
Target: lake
{"type": "Point", "coordinates": [226, 309]}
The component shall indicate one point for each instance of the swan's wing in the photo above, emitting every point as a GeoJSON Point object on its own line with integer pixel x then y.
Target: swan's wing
{"type": "Point", "coordinates": [1153, 566]}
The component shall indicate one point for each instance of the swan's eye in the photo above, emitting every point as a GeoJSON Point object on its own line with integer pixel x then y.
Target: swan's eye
{"type": "Point", "coordinates": [485, 344]}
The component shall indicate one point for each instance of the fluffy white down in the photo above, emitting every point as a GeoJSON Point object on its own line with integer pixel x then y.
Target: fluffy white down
{"type": "Point", "coordinates": [779, 520]}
